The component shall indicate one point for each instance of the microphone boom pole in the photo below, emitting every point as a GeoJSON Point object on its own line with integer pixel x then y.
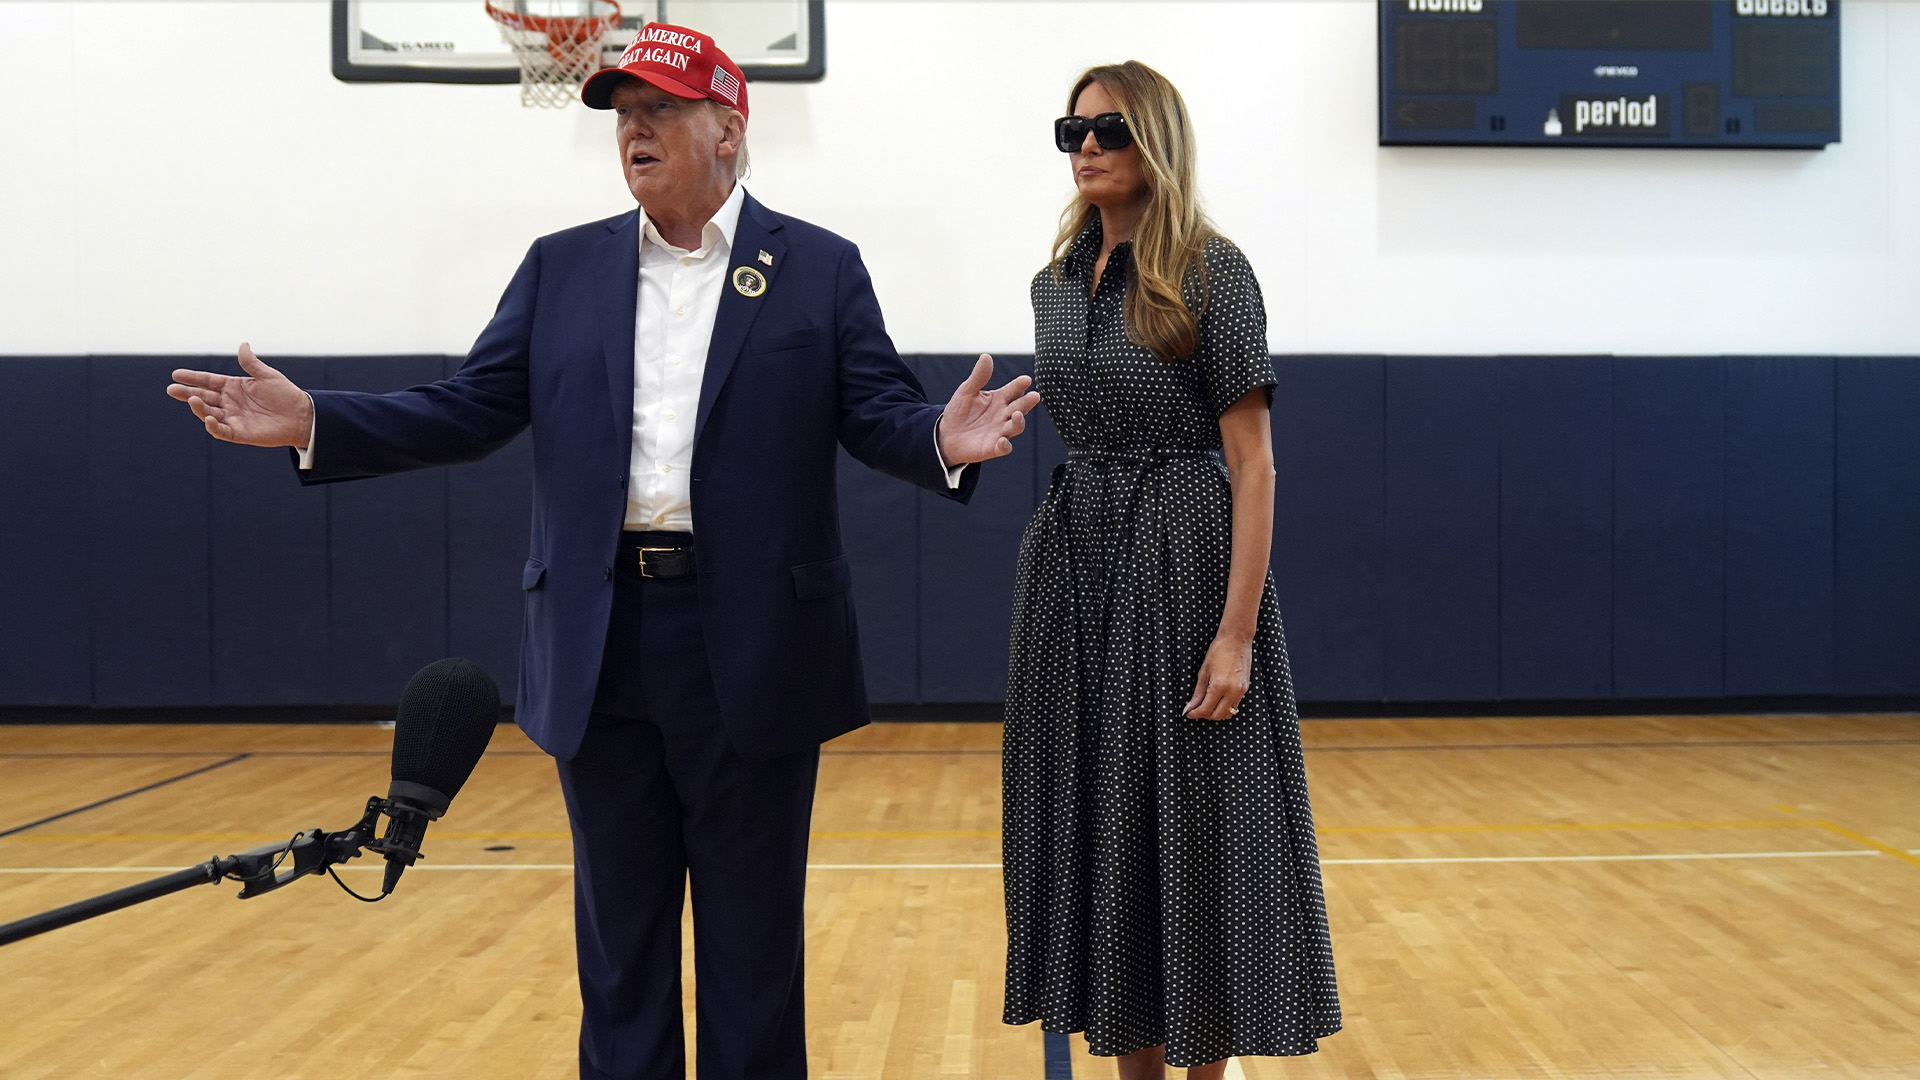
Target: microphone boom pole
{"type": "Point", "coordinates": [258, 871]}
{"type": "Point", "coordinates": [441, 728]}
{"type": "Point", "coordinates": [204, 874]}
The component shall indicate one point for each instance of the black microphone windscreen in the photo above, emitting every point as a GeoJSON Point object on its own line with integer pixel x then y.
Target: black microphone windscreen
{"type": "Point", "coordinates": [446, 716]}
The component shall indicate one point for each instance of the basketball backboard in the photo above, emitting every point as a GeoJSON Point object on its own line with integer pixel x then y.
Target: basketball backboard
{"type": "Point", "coordinates": [456, 41]}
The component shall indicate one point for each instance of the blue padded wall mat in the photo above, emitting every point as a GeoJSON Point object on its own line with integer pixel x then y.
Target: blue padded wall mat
{"type": "Point", "coordinates": [268, 551]}
{"type": "Point", "coordinates": [1441, 447]}
{"type": "Point", "coordinates": [1556, 527]}
{"type": "Point", "coordinates": [1779, 539]}
{"type": "Point", "coordinates": [46, 648]}
{"type": "Point", "coordinates": [1329, 523]}
{"type": "Point", "coordinates": [1877, 523]}
{"type": "Point", "coordinates": [1448, 529]}
{"type": "Point", "coordinates": [880, 527]}
{"type": "Point", "coordinates": [146, 536]}
{"type": "Point", "coordinates": [968, 555]}
{"type": "Point", "coordinates": [489, 521]}
{"type": "Point", "coordinates": [1669, 497]}
{"type": "Point", "coordinates": [388, 545]}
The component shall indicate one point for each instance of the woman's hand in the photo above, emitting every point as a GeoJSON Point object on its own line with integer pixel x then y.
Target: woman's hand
{"type": "Point", "coordinates": [1223, 679]}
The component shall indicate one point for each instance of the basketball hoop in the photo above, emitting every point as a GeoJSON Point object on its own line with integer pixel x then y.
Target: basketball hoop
{"type": "Point", "coordinates": [557, 50]}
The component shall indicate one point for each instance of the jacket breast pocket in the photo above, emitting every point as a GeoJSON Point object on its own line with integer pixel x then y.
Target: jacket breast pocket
{"type": "Point", "coordinates": [533, 575]}
{"type": "Point", "coordinates": [804, 339]}
{"type": "Point", "coordinates": [819, 580]}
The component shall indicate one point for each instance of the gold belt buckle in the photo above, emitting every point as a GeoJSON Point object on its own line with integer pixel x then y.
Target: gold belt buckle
{"type": "Point", "coordinates": [642, 554]}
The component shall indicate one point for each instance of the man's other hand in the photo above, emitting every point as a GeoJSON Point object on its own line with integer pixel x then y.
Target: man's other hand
{"type": "Point", "coordinates": [979, 423]}
{"type": "Point", "coordinates": [262, 408]}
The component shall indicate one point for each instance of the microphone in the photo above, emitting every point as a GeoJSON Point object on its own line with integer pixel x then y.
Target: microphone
{"type": "Point", "coordinates": [446, 716]}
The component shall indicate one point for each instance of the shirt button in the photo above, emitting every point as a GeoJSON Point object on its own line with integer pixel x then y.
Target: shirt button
{"type": "Point", "coordinates": [681, 311]}
{"type": "Point", "coordinates": [673, 416]}
{"type": "Point", "coordinates": [674, 360]}
{"type": "Point", "coordinates": [606, 573]}
{"type": "Point", "coordinates": [659, 519]}
{"type": "Point", "coordinates": [664, 469]}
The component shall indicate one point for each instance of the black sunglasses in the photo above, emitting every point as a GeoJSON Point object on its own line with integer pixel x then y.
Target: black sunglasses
{"type": "Point", "coordinates": [1110, 130]}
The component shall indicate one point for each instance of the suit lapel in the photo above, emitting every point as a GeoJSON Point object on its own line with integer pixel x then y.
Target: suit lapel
{"type": "Point", "coordinates": [620, 307]}
{"type": "Point", "coordinates": [754, 235]}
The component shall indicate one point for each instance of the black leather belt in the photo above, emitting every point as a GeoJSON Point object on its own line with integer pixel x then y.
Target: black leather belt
{"type": "Point", "coordinates": [664, 555]}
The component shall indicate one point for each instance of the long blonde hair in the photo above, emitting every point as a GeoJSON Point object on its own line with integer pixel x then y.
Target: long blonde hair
{"type": "Point", "coordinates": [1170, 243]}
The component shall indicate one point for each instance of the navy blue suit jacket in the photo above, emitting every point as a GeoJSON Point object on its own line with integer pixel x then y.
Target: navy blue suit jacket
{"type": "Point", "coordinates": [790, 373]}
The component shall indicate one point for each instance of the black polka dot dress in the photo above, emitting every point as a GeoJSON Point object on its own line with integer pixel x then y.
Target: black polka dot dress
{"type": "Point", "coordinates": [1163, 885]}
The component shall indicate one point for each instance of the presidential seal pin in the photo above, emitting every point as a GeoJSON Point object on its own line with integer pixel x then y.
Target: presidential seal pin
{"type": "Point", "coordinates": [748, 282]}
{"type": "Point", "coordinates": [766, 258]}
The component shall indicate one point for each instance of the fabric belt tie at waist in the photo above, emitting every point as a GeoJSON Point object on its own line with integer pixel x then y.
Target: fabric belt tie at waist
{"type": "Point", "coordinates": [1139, 457]}
{"type": "Point", "coordinates": [658, 554]}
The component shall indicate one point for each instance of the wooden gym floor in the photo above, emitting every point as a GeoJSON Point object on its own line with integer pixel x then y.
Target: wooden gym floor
{"type": "Point", "coordinates": [1732, 896]}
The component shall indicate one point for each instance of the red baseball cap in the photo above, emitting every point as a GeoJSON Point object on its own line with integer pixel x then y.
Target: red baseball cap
{"type": "Point", "coordinates": [685, 63]}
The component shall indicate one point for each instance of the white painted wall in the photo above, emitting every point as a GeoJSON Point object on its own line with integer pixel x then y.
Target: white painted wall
{"type": "Point", "coordinates": [152, 203]}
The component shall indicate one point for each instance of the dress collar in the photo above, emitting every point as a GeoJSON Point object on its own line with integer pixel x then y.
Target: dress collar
{"type": "Point", "coordinates": [1078, 261]}
{"type": "Point", "coordinates": [1085, 251]}
{"type": "Point", "coordinates": [715, 235]}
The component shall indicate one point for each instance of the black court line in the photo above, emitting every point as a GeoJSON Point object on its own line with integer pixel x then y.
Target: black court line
{"type": "Point", "coordinates": [125, 795]}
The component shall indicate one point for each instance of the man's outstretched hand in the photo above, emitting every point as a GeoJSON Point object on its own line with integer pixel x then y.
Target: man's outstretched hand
{"type": "Point", "coordinates": [981, 423]}
{"type": "Point", "coordinates": [262, 408]}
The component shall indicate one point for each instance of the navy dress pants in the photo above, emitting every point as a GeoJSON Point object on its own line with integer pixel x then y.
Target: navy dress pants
{"type": "Point", "coordinates": [659, 800]}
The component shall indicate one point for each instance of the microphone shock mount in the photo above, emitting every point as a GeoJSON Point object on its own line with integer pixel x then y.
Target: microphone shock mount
{"type": "Point", "coordinates": [264, 869]}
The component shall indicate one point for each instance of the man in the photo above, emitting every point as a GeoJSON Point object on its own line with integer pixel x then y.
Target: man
{"type": "Point", "coordinates": [687, 370]}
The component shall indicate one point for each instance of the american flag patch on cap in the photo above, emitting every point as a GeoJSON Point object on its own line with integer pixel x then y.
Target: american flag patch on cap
{"type": "Point", "coordinates": [726, 85]}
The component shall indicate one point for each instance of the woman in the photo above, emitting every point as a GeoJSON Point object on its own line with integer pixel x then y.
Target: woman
{"type": "Point", "coordinates": [1163, 886]}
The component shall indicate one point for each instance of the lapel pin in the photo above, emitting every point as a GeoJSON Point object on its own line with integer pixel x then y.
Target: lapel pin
{"type": "Point", "coordinates": [748, 282]}
{"type": "Point", "coordinates": [766, 258]}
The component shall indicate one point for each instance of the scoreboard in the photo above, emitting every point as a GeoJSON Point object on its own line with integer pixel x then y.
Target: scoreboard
{"type": "Point", "coordinates": [1697, 73]}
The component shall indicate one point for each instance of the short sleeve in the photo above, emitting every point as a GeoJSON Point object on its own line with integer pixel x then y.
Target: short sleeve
{"type": "Point", "coordinates": [1232, 359]}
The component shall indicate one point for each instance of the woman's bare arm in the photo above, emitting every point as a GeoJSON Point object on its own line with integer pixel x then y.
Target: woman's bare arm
{"type": "Point", "coordinates": [1247, 436]}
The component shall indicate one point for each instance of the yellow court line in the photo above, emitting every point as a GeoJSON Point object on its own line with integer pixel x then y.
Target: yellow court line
{"type": "Point", "coordinates": [1884, 849]}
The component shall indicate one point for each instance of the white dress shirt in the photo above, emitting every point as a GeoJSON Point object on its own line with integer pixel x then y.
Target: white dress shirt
{"type": "Point", "coordinates": [672, 327]}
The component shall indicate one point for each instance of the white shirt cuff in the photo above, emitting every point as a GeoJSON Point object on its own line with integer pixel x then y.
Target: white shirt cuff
{"type": "Point", "coordinates": [953, 471]}
{"type": "Point", "coordinates": [306, 455]}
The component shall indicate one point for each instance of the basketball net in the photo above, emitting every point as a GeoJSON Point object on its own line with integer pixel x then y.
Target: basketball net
{"type": "Point", "coordinates": [557, 43]}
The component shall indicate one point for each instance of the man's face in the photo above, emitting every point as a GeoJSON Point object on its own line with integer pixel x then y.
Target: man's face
{"type": "Point", "coordinates": [669, 146]}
